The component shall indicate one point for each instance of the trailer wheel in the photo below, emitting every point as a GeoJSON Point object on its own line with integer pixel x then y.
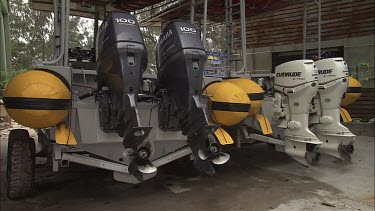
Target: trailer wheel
{"type": "Point", "coordinates": [20, 164]}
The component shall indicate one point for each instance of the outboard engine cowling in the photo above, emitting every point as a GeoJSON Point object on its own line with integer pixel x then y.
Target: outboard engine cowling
{"type": "Point", "coordinates": [180, 60]}
{"type": "Point", "coordinates": [296, 84]}
{"type": "Point", "coordinates": [122, 55]}
{"type": "Point", "coordinates": [122, 59]}
{"type": "Point", "coordinates": [333, 83]}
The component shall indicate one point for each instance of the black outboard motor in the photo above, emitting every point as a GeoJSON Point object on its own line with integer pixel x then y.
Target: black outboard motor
{"type": "Point", "coordinates": [122, 59]}
{"type": "Point", "coordinates": [180, 59]}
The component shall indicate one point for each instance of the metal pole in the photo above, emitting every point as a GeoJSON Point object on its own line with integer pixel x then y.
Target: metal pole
{"type": "Point", "coordinates": [204, 23]}
{"type": "Point", "coordinates": [67, 22]}
{"type": "Point", "coordinates": [7, 37]}
{"type": "Point", "coordinates": [62, 37]}
{"type": "Point", "coordinates": [319, 28]}
{"type": "Point", "coordinates": [319, 3]}
{"type": "Point", "coordinates": [243, 36]}
{"type": "Point", "coordinates": [304, 28]}
{"type": "Point", "coordinates": [96, 27]}
{"type": "Point", "coordinates": [226, 19]}
{"type": "Point", "coordinates": [192, 7]}
{"type": "Point", "coordinates": [228, 34]}
{"type": "Point", "coordinates": [56, 28]}
{"type": "Point", "coordinates": [3, 56]}
{"type": "Point", "coordinates": [231, 48]}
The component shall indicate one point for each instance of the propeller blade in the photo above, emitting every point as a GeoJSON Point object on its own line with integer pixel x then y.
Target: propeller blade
{"type": "Point", "coordinates": [221, 158]}
{"type": "Point", "coordinates": [147, 169]}
{"type": "Point", "coordinates": [203, 155]}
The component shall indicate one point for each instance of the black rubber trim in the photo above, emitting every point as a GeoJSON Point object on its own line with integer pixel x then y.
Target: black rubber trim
{"type": "Point", "coordinates": [296, 84]}
{"type": "Point", "coordinates": [37, 103]}
{"type": "Point", "coordinates": [256, 96]}
{"type": "Point", "coordinates": [235, 107]}
{"type": "Point", "coordinates": [205, 87]}
{"type": "Point", "coordinates": [332, 80]}
{"type": "Point", "coordinates": [354, 90]}
{"type": "Point", "coordinates": [59, 76]}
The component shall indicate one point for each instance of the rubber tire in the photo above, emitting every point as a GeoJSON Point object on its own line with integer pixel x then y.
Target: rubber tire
{"type": "Point", "coordinates": [20, 164]}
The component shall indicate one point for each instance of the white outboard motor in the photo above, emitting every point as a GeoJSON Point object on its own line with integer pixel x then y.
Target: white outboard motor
{"type": "Point", "coordinates": [333, 82]}
{"type": "Point", "coordinates": [296, 84]}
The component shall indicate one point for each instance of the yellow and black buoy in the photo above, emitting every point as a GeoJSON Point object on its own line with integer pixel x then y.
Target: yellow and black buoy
{"type": "Point", "coordinates": [37, 98]}
{"type": "Point", "coordinates": [229, 104]}
{"type": "Point", "coordinates": [253, 90]}
{"type": "Point", "coordinates": [353, 92]}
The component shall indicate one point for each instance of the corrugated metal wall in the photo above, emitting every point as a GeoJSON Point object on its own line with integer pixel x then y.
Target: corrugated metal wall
{"type": "Point", "coordinates": [340, 19]}
{"type": "Point", "coordinates": [364, 107]}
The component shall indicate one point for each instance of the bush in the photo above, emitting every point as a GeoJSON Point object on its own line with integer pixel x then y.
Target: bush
{"type": "Point", "coordinates": [5, 77]}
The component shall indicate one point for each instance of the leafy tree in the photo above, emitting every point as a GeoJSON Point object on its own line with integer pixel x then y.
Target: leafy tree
{"type": "Point", "coordinates": [32, 34]}
{"type": "Point", "coordinates": [216, 37]}
{"type": "Point", "coordinates": [81, 32]}
{"type": "Point", "coordinates": [150, 37]}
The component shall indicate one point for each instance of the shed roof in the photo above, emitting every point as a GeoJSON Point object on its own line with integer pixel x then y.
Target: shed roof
{"type": "Point", "coordinates": [166, 9]}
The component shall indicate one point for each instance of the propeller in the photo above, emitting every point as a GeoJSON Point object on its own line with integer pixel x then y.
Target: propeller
{"type": "Point", "coordinates": [213, 153]}
{"type": "Point", "coordinates": [144, 165]}
{"type": "Point", "coordinates": [345, 151]}
{"type": "Point", "coordinates": [141, 165]}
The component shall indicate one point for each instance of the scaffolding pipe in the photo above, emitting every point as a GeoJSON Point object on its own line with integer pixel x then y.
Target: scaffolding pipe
{"type": "Point", "coordinates": [226, 15]}
{"type": "Point", "coordinates": [243, 36]}
{"type": "Point", "coordinates": [231, 47]}
{"type": "Point", "coordinates": [96, 27]}
{"type": "Point", "coordinates": [56, 29]}
{"type": "Point", "coordinates": [304, 28]}
{"type": "Point", "coordinates": [62, 36]}
{"type": "Point", "coordinates": [192, 7]}
{"type": "Point", "coordinates": [204, 23]}
{"type": "Point", "coordinates": [319, 28]}
{"type": "Point", "coordinates": [67, 23]}
{"type": "Point", "coordinates": [168, 10]}
{"type": "Point", "coordinates": [227, 34]}
{"type": "Point", "coordinates": [319, 3]}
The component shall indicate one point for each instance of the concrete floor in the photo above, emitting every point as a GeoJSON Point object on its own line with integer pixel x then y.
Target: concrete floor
{"type": "Point", "coordinates": [254, 179]}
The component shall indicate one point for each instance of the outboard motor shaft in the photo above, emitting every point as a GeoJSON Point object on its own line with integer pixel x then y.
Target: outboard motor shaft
{"type": "Point", "coordinates": [122, 59]}
{"type": "Point", "coordinates": [180, 60]}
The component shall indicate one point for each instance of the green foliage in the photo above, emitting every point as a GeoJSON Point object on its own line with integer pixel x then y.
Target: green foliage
{"type": "Point", "coordinates": [32, 35]}
{"type": "Point", "coordinates": [5, 76]}
{"type": "Point", "coordinates": [216, 40]}
{"type": "Point", "coordinates": [150, 36]}
{"type": "Point", "coordinates": [81, 33]}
